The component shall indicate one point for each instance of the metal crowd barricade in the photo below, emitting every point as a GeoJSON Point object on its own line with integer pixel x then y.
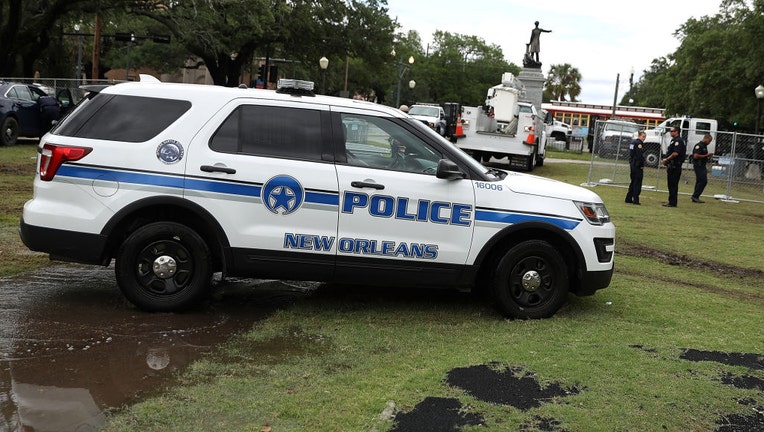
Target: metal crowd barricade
{"type": "Point", "coordinates": [735, 172]}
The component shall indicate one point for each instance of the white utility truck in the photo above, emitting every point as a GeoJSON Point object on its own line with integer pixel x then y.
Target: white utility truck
{"type": "Point", "coordinates": [505, 127]}
{"type": "Point", "coordinates": [691, 129]}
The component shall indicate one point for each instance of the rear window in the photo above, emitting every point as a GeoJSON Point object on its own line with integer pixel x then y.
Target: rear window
{"type": "Point", "coordinates": [122, 118]}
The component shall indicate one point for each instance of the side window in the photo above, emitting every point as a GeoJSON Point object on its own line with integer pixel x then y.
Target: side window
{"type": "Point", "coordinates": [376, 142]}
{"type": "Point", "coordinates": [703, 126]}
{"type": "Point", "coordinates": [270, 131]}
{"type": "Point", "coordinates": [21, 92]}
{"type": "Point", "coordinates": [123, 118]}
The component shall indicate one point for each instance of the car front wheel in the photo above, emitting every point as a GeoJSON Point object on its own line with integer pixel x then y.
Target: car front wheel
{"type": "Point", "coordinates": [164, 267]}
{"type": "Point", "coordinates": [531, 281]}
{"type": "Point", "coordinates": [10, 131]}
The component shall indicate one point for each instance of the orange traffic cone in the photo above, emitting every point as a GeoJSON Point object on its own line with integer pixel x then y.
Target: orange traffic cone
{"type": "Point", "coordinates": [459, 132]}
{"type": "Point", "coordinates": [531, 140]}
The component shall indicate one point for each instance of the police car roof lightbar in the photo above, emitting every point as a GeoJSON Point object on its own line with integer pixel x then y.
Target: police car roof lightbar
{"type": "Point", "coordinates": [295, 87]}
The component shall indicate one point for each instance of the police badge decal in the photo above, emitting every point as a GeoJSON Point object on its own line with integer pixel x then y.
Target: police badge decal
{"type": "Point", "coordinates": [170, 151]}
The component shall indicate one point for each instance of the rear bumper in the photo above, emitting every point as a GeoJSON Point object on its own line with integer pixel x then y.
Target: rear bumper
{"type": "Point", "coordinates": [65, 245]}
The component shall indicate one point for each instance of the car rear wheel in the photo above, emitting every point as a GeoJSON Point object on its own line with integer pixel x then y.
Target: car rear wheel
{"type": "Point", "coordinates": [531, 281]}
{"type": "Point", "coordinates": [164, 267]}
{"type": "Point", "coordinates": [10, 132]}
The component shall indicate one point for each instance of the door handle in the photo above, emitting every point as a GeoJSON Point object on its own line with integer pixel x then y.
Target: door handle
{"type": "Point", "coordinates": [363, 184]}
{"type": "Point", "coordinates": [215, 168]}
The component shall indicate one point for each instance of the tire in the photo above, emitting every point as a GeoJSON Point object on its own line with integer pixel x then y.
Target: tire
{"type": "Point", "coordinates": [180, 253]}
{"type": "Point", "coordinates": [531, 281]}
{"type": "Point", "coordinates": [539, 161]}
{"type": "Point", "coordinates": [9, 133]}
{"type": "Point", "coordinates": [530, 162]}
{"type": "Point", "coordinates": [652, 155]}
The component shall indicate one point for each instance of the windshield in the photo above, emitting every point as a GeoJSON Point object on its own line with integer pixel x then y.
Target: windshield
{"type": "Point", "coordinates": [424, 111]}
{"type": "Point", "coordinates": [621, 127]}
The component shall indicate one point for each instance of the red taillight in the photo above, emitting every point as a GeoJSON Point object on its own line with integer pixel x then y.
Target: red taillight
{"type": "Point", "coordinates": [52, 156]}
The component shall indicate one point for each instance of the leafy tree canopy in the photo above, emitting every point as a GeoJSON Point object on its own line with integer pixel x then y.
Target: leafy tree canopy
{"type": "Point", "coordinates": [714, 71]}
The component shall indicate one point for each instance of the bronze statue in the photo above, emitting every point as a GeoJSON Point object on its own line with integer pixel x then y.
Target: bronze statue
{"type": "Point", "coordinates": [533, 47]}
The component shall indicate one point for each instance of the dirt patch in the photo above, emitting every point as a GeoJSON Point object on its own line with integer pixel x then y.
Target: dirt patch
{"type": "Point", "coordinates": [692, 263]}
{"type": "Point", "coordinates": [753, 277]}
{"type": "Point", "coordinates": [751, 361]}
{"type": "Point", "coordinates": [513, 386]}
{"type": "Point", "coordinates": [749, 382]}
{"type": "Point", "coordinates": [543, 424]}
{"type": "Point", "coordinates": [437, 415]}
{"type": "Point", "coordinates": [494, 383]}
{"type": "Point", "coordinates": [753, 422]}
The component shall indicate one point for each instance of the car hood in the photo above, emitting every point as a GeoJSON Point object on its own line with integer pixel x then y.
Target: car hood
{"type": "Point", "coordinates": [539, 186]}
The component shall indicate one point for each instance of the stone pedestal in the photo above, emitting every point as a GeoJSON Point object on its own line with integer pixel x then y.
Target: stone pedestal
{"type": "Point", "coordinates": [533, 80]}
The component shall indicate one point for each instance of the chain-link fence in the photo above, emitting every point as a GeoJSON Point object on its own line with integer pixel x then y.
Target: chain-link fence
{"type": "Point", "coordinates": [735, 172]}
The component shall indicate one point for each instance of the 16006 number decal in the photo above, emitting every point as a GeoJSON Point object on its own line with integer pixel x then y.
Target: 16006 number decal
{"type": "Point", "coordinates": [489, 186]}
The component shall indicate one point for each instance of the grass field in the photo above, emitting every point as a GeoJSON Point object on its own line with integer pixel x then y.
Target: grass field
{"type": "Point", "coordinates": [675, 343]}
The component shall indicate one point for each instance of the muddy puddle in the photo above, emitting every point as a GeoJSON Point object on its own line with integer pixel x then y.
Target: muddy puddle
{"type": "Point", "coordinates": [72, 348]}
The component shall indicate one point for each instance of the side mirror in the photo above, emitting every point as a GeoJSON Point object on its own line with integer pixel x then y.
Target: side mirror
{"type": "Point", "coordinates": [448, 170]}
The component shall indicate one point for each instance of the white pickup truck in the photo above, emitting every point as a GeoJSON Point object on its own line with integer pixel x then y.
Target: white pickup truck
{"type": "Point", "coordinates": [691, 129]}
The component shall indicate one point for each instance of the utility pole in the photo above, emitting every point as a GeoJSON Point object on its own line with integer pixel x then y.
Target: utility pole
{"type": "Point", "coordinates": [96, 48]}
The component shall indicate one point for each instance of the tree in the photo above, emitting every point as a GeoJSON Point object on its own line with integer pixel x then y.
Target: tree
{"type": "Point", "coordinates": [227, 35]}
{"type": "Point", "coordinates": [563, 80]}
{"type": "Point", "coordinates": [25, 31]}
{"type": "Point", "coordinates": [362, 39]}
{"type": "Point", "coordinates": [461, 69]}
{"type": "Point", "coordinates": [715, 69]}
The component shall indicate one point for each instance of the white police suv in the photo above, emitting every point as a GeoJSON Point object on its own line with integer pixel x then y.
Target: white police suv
{"type": "Point", "coordinates": [177, 182]}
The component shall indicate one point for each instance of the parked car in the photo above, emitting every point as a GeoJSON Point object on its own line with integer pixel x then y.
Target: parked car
{"type": "Point", "coordinates": [176, 182]}
{"type": "Point", "coordinates": [26, 110]}
{"type": "Point", "coordinates": [431, 115]}
{"type": "Point", "coordinates": [614, 138]}
{"type": "Point", "coordinates": [69, 97]}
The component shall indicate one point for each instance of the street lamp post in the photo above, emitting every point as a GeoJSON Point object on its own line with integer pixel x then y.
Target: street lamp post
{"type": "Point", "coordinates": [759, 92]}
{"type": "Point", "coordinates": [324, 63]}
{"type": "Point", "coordinates": [79, 54]}
{"type": "Point", "coordinates": [402, 67]}
{"type": "Point", "coordinates": [129, 45]}
{"type": "Point", "coordinates": [412, 84]}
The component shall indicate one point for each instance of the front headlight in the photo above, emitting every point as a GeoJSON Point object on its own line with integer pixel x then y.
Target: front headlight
{"type": "Point", "coordinates": [595, 213]}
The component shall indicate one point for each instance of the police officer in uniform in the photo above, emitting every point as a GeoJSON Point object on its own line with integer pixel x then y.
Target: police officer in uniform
{"type": "Point", "coordinates": [699, 160]}
{"type": "Point", "coordinates": [673, 163]}
{"type": "Point", "coordinates": [636, 166]}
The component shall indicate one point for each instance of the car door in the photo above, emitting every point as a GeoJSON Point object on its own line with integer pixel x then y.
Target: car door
{"type": "Point", "coordinates": [397, 220]}
{"type": "Point", "coordinates": [261, 170]}
{"type": "Point", "coordinates": [26, 108]}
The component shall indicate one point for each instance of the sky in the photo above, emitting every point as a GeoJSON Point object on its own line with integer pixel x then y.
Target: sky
{"type": "Point", "coordinates": [602, 39]}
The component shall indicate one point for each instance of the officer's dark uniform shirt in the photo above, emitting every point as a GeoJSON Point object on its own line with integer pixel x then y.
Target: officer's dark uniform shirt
{"type": "Point", "coordinates": [702, 149]}
{"type": "Point", "coordinates": [677, 145]}
{"type": "Point", "coordinates": [637, 153]}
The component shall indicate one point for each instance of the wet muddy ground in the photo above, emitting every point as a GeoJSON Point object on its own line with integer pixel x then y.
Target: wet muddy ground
{"type": "Point", "coordinates": [71, 347]}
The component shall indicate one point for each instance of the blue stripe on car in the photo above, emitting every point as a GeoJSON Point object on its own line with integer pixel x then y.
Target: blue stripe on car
{"type": "Point", "coordinates": [513, 218]}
